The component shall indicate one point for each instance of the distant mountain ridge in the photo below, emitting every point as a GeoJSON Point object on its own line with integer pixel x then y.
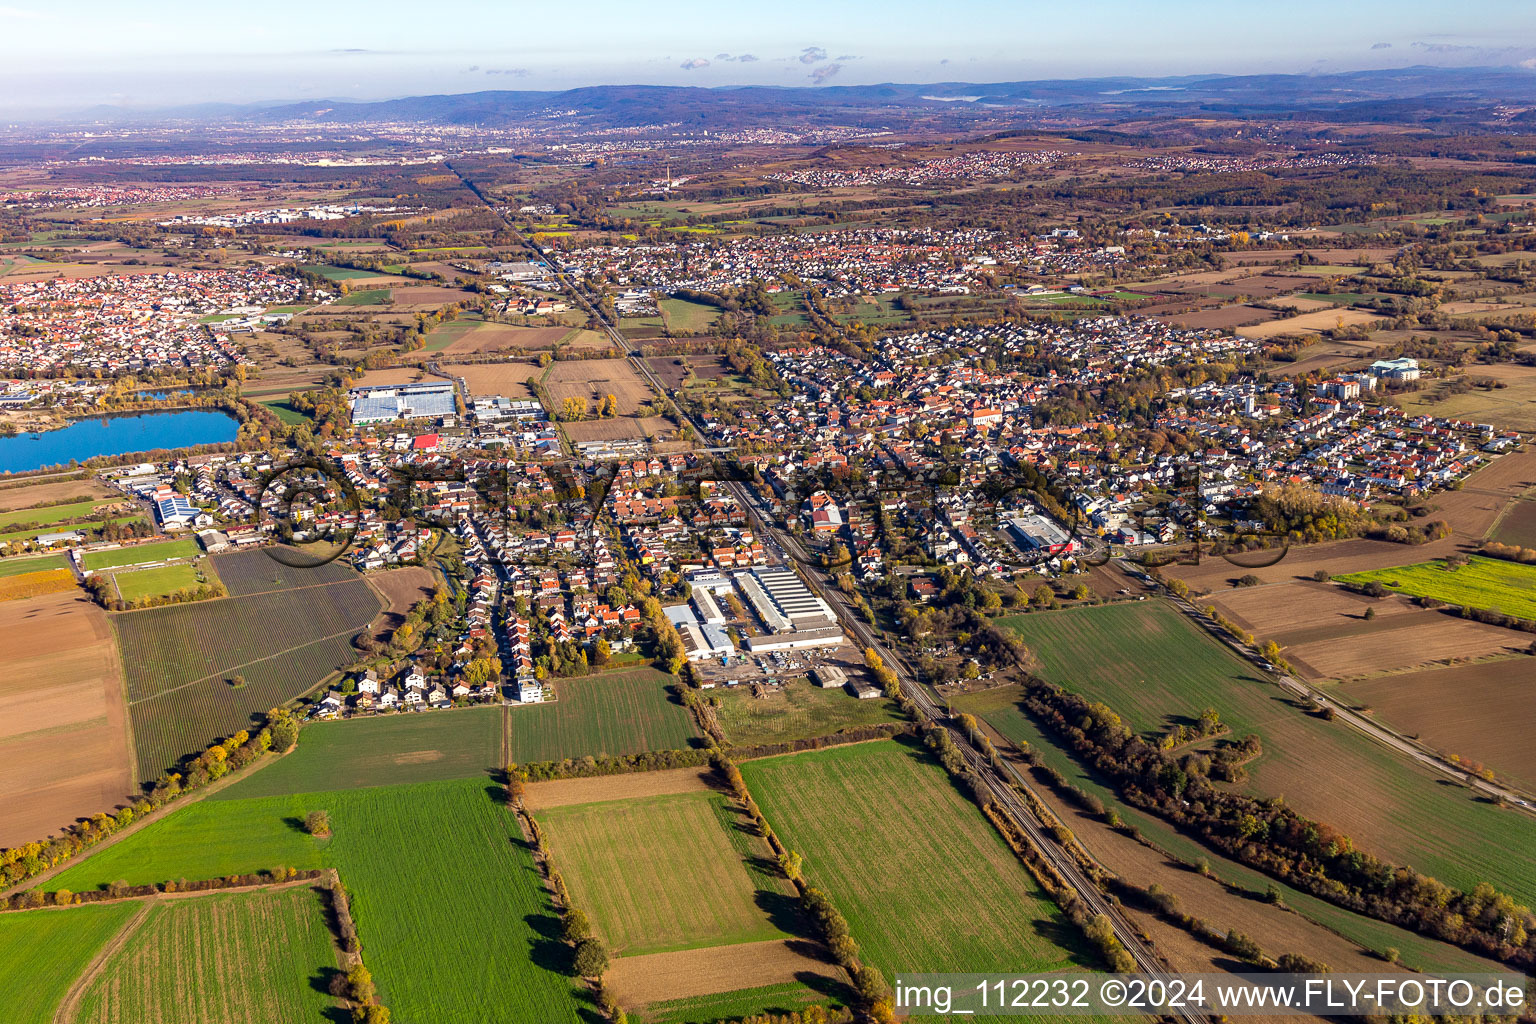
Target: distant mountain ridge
{"type": "Point", "coordinates": [1415, 93]}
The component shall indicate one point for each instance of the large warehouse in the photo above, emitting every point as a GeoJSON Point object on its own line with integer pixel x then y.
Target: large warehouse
{"type": "Point", "coordinates": [426, 401]}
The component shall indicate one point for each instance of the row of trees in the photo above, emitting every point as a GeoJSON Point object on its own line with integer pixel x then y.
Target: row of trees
{"type": "Point", "coordinates": [1268, 835]}
{"type": "Point", "coordinates": [278, 735]}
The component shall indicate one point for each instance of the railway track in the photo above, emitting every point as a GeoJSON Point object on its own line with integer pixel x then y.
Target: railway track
{"type": "Point", "coordinates": [998, 782]}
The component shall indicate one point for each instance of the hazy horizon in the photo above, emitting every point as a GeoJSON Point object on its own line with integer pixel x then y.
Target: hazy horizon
{"type": "Point", "coordinates": [182, 53]}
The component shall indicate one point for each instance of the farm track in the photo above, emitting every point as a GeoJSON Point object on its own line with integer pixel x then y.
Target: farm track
{"type": "Point", "coordinates": [146, 820]}
{"type": "Point", "coordinates": [66, 1011]}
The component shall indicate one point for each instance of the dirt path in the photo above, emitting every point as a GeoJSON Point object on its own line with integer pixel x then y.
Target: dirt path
{"type": "Point", "coordinates": [66, 1010]}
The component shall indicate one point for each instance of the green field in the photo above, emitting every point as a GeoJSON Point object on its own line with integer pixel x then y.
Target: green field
{"type": "Point", "coordinates": [921, 876]}
{"type": "Point", "coordinates": [1489, 583]}
{"type": "Point", "coordinates": [798, 711]}
{"type": "Point", "coordinates": [50, 514]}
{"type": "Point", "coordinates": [688, 317]}
{"type": "Point", "coordinates": [367, 297]}
{"type": "Point", "coordinates": [84, 528]}
{"type": "Point", "coordinates": [19, 566]}
{"type": "Point", "coordinates": [1337, 298]}
{"type": "Point", "coordinates": [639, 867]}
{"type": "Point", "coordinates": [1152, 667]}
{"type": "Point", "coordinates": [777, 999]}
{"type": "Point", "coordinates": [285, 412]}
{"type": "Point", "coordinates": [612, 713]}
{"type": "Point", "coordinates": [160, 551]}
{"type": "Point", "coordinates": [443, 335]}
{"type": "Point", "coordinates": [42, 952]}
{"type": "Point", "coordinates": [231, 956]}
{"type": "Point", "coordinates": [180, 661]}
{"type": "Point", "coordinates": [165, 579]}
{"type": "Point", "coordinates": [342, 273]}
{"type": "Point", "coordinates": [436, 870]}
{"type": "Point", "coordinates": [386, 751]}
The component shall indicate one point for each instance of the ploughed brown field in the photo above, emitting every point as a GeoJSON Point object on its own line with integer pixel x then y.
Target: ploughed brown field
{"type": "Point", "coordinates": [64, 750]}
{"type": "Point", "coordinates": [563, 792]}
{"type": "Point", "coordinates": [591, 379]}
{"type": "Point", "coordinates": [1482, 712]}
{"type": "Point", "coordinates": [1308, 323]}
{"type": "Point", "coordinates": [1325, 635]}
{"type": "Point", "coordinates": [640, 980]}
{"type": "Point", "coordinates": [491, 337]}
{"type": "Point", "coordinates": [1221, 317]}
{"type": "Point", "coordinates": [618, 429]}
{"type": "Point", "coordinates": [507, 379]}
{"type": "Point", "coordinates": [58, 491]}
{"type": "Point", "coordinates": [400, 589]}
{"type": "Point", "coordinates": [392, 377]}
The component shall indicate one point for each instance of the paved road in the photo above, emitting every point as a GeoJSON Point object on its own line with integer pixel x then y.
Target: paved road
{"type": "Point", "coordinates": [997, 782]}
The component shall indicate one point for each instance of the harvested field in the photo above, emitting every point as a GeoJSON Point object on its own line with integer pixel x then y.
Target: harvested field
{"type": "Point", "coordinates": [1481, 712]}
{"type": "Point", "coordinates": [391, 377]}
{"type": "Point", "coordinates": [797, 710]}
{"type": "Point", "coordinates": [670, 370]}
{"type": "Point", "coordinates": [1325, 635]}
{"type": "Point", "coordinates": [1518, 525]}
{"type": "Point", "coordinates": [591, 379]}
{"type": "Point", "coordinates": [561, 792]}
{"type": "Point", "coordinates": [1308, 323]}
{"type": "Point", "coordinates": [639, 867]}
{"type": "Point", "coordinates": [246, 956]}
{"type": "Point", "coordinates": [508, 379]}
{"type": "Point", "coordinates": [400, 590]}
{"type": "Point", "coordinates": [24, 497]}
{"type": "Point", "coordinates": [1238, 894]}
{"type": "Point", "coordinates": [764, 977]}
{"type": "Point", "coordinates": [64, 749]}
{"type": "Point", "coordinates": [1154, 668]}
{"type": "Point", "coordinates": [949, 895]}
{"type": "Point", "coordinates": [1221, 318]}
{"type": "Point", "coordinates": [618, 429]}
{"type": "Point", "coordinates": [386, 750]}
{"type": "Point", "coordinates": [419, 295]}
{"type": "Point", "coordinates": [484, 337]}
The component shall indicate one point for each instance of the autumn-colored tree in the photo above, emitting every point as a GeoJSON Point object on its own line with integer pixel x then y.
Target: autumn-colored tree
{"type": "Point", "coordinates": [591, 959]}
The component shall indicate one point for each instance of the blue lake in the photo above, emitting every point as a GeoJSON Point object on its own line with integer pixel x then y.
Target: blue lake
{"type": "Point", "coordinates": [115, 435]}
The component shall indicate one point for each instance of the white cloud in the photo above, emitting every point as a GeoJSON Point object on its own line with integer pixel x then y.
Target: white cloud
{"type": "Point", "coordinates": [812, 54]}
{"type": "Point", "coordinates": [825, 72]}
{"type": "Point", "coordinates": [694, 64]}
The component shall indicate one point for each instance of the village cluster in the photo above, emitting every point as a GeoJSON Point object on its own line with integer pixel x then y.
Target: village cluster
{"type": "Point", "coordinates": [131, 323]}
{"type": "Point", "coordinates": [974, 165]}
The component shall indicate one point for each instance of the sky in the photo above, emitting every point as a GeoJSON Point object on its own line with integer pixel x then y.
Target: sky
{"type": "Point", "coordinates": [78, 53]}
